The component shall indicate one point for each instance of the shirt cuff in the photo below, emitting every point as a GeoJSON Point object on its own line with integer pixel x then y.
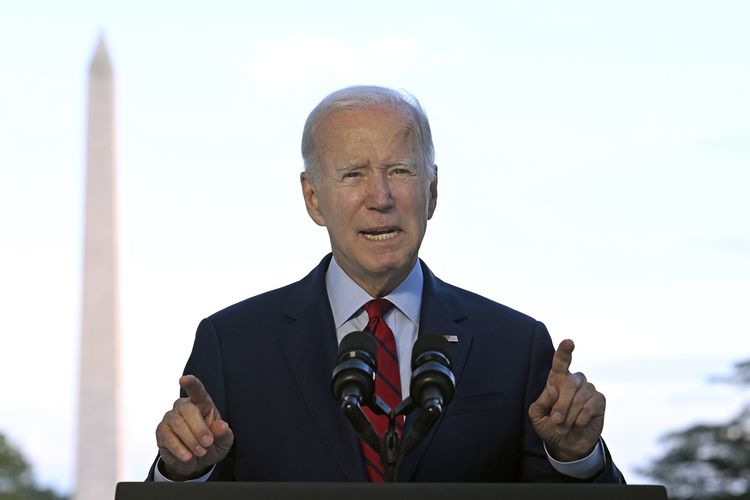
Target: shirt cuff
{"type": "Point", "coordinates": [584, 468]}
{"type": "Point", "coordinates": [161, 478]}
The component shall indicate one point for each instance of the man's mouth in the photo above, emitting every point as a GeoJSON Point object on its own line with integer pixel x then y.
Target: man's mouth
{"type": "Point", "coordinates": [380, 234]}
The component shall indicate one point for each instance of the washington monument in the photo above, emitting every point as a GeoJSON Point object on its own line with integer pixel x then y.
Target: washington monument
{"type": "Point", "coordinates": [98, 454]}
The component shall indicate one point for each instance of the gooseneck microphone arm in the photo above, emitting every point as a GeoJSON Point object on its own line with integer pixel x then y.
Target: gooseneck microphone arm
{"type": "Point", "coordinates": [353, 411]}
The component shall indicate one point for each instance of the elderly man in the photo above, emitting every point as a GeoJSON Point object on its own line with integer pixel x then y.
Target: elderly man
{"type": "Point", "coordinates": [256, 402]}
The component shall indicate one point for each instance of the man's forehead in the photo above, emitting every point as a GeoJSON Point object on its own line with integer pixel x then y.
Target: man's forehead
{"type": "Point", "coordinates": [397, 148]}
{"type": "Point", "coordinates": [364, 115]}
{"type": "Point", "coordinates": [393, 123]}
{"type": "Point", "coordinates": [358, 136]}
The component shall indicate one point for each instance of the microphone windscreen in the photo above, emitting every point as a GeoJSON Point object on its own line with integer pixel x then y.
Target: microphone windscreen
{"type": "Point", "coordinates": [430, 343]}
{"type": "Point", "coordinates": [358, 341]}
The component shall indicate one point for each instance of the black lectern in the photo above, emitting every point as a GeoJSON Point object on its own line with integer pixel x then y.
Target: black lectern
{"type": "Point", "coordinates": [391, 491]}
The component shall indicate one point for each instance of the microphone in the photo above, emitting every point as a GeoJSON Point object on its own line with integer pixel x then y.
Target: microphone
{"type": "Point", "coordinates": [432, 386]}
{"type": "Point", "coordinates": [432, 381]}
{"type": "Point", "coordinates": [353, 382]}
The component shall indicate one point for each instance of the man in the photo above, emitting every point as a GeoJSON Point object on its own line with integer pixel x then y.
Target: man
{"type": "Point", "coordinates": [256, 400]}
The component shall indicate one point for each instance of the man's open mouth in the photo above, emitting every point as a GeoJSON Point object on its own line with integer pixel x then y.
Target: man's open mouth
{"type": "Point", "coordinates": [380, 234]}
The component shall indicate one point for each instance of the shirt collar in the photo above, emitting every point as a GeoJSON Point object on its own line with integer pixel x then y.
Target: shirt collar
{"type": "Point", "coordinates": [347, 297]}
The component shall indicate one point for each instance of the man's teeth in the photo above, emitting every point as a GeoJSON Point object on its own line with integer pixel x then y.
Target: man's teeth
{"type": "Point", "coordinates": [380, 236]}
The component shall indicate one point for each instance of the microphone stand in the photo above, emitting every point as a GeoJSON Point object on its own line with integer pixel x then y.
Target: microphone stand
{"type": "Point", "coordinates": [393, 454]}
{"type": "Point", "coordinates": [392, 449]}
{"type": "Point", "coordinates": [389, 446]}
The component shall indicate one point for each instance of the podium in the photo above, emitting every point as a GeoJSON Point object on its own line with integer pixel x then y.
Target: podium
{"type": "Point", "coordinates": [392, 491]}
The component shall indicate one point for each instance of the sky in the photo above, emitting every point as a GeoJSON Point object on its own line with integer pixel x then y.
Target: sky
{"type": "Point", "coordinates": [594, 163]}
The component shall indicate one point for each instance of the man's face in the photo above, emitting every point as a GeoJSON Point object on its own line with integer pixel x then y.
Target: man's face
{"type": "Point", "coordinates": [373, 194]}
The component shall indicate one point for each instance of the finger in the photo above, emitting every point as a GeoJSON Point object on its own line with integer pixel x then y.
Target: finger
{"type": "Point", "coordinates": [223, 435]}
{"type": "Point", "coordinates": [197, 393]}
{"type": "Point", "coordinates": [594, 407]}
{"type": "Point", "coordinates": [219, 428]}
{"type": "Point", "coordinates": [562, 358]}
{"type": "Point", "coordinates": [568, 387]}
{"type": "Point", "coordinates": [181, 428]}
{"type": "Point", "coordinates": [168, 441]}
{"type": "Point", "coordinates": [540, 408]}
{"type": "Point", "coordinates": [195, 420]}
{"type": "Point", "coordinates": [584, 394]}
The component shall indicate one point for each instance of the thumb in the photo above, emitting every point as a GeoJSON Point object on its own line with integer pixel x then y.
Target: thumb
{"type": "Point", "coordinates": [223, 435]}
{"type": "Point", "coordinates": [541, 408]}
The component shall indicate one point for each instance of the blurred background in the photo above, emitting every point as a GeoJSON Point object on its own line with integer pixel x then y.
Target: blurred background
{"type": "Point", "coordinates": [594, 173]}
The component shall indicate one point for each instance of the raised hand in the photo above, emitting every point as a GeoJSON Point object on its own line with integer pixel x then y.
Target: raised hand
{"type": "Point", "coordinates": [569, 413]}
{"type": "Point", "coordinates": [192, 437]}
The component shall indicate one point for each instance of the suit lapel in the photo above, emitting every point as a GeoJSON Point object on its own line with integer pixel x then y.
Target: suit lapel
{"type": "Point", "coordinates": [310, 347]}
{"type": "Point", "coordinates": [440, 315]}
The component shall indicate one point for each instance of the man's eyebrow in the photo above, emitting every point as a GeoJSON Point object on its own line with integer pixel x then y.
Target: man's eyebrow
{"type": "Point", "coordinates": [407, 162]}
{"type": "Point", "coordinates": [347, 167]}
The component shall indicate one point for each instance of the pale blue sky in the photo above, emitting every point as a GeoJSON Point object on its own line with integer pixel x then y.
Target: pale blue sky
{"type": "Point", "coordinates": [594, 168]}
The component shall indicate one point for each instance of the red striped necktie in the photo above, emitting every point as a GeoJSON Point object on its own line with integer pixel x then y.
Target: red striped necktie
{"type": "Point", "coordinates": [387, 381]}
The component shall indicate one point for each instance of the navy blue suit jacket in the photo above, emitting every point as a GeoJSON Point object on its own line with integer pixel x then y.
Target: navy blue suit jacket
{"type": "Point", "coordinates": [267, 363]}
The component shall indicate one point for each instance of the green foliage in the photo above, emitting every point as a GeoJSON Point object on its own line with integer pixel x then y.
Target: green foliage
{"type": "Point", "coordinates": [709, 462]}
{"type": "Point", "coordinates": [16, 479]}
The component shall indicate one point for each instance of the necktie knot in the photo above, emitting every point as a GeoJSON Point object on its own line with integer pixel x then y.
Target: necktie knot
{"type": "Point", "coordinates": [377, 308]}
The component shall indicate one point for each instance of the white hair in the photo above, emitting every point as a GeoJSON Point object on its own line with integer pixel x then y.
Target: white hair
{"type": "Point", "coordinates": [364, 96]}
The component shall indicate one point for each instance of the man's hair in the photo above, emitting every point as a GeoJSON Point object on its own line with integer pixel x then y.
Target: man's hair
{"type": "Point", "coordinates": [364, 96]}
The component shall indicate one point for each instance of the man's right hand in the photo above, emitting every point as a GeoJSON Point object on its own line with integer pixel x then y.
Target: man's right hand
{"type": "Point", "coordinates": [192, 437]}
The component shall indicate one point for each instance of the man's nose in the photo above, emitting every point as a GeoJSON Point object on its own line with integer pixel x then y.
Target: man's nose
{"type": "Point", "coordinates": [379, 193]}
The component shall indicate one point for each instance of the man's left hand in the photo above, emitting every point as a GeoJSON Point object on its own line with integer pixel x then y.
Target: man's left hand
{"type": "Point", "coordinates": [569, 413]}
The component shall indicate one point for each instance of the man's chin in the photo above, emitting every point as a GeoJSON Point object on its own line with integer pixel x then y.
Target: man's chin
{"type": "Point", "coordinates": [384, 268]}
{"type": "Point", "coordinates": [377, 272]}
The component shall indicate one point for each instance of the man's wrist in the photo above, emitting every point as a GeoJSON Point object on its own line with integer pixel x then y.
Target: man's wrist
{"type": "Point", "coordinates": [564, 457]}
{"type": "Point", "coordinates": [584, 468]}
{"type": "Point", "coordinates": [162, 473]}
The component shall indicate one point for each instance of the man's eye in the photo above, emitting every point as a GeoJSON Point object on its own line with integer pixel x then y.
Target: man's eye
{"type": "Point", "coordinates": [351, 175]}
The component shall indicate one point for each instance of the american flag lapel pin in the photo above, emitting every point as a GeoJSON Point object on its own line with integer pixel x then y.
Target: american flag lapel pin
{"type": "Point", "coordinates": [453, 339]}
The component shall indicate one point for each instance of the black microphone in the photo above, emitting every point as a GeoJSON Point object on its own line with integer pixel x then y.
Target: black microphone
{"type": "Point", "coordinates": [432, 386]}
{"type": "Point", "coordinates": [353, 382]}
{"type": "Point", "coordinates": [356, 363]}
{"type": "Point", "coordinates": [432, 381]}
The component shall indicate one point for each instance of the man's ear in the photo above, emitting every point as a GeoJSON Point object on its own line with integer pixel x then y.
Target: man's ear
{"type": "Point", "coordinates": [309, 192]}
{"type": "Point", "coordinates": [433, 195]}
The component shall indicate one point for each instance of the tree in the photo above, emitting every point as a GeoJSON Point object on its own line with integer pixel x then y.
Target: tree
{"type": "Point", "coordinates": [709, 462]}
{"type": "Point", "coordinates": [16, 480]}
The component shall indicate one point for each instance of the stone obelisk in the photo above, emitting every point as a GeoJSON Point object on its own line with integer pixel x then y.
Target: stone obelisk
{"type": "Point", "coordinates": [98, 454]}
